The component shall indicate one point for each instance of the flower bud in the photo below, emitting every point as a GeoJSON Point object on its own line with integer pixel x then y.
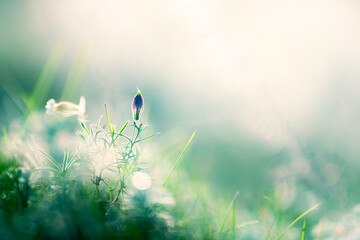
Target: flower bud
{"type": "Point", "coordinates": [66, 109]}
{"type": "Point", "coordinates": [137, 106]}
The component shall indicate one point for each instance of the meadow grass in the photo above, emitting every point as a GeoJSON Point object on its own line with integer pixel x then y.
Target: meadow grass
{"type": "Point", "coordinates": [89, 192]}
{"type": "Point", "coordinates": [104, 196]}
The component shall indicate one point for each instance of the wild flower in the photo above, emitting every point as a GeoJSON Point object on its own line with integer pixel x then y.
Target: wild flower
{"type": "Point", "coordinates": [137, 106]}
{"type": "Point", "coordinates": [65, 108]}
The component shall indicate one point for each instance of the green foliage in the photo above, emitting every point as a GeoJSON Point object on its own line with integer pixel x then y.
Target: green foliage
{"type": "Point", "coordinates": [61, 169]}
{"type": "Point", "coordinates": [14, 186]}
{"type": "Point", "coordinates": [86, 193]}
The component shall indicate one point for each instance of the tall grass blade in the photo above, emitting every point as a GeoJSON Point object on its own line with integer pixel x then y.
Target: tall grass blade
{"type": "Point", "coordinates": [234, 219]}
{"type": "Point", "coordinates": [303, 231]}
{"type": "Point", "coordinates": [72, 160]}
{"type": "Point", "coordinates": [66, 156]}
{"type": "Point", "coordinates": [51, 160]}
{"type": "Point", "coordinates": [122, 129]}
{"type": "Point", "coordinates": [228, 212]}
{"type": "Point", "coordinates": [178, 160]}
{"type": "Point", "coordinates": [297, 219]}
{"type": "Point", "coordinates": [108, 119]}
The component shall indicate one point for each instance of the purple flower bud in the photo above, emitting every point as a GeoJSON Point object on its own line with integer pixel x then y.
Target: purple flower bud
{"type": "Point", "coordinates": [137, 106]}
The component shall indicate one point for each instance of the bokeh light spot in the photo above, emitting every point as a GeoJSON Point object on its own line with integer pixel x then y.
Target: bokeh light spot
{"type": "Point", "coordinates": [141, 180]}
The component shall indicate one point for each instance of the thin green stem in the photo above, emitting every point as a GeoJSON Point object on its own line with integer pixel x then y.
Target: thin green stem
{"type": "Point", "coordinates": [178, 160]}
{"type": "Point", "coordinates": [297, 219]}
{"type": "Point", "coordinates": [228, 212]}
{"type": "Point", "coordinates": [234, 219]}
{"type": "Point", "coordinates": [303, 231]}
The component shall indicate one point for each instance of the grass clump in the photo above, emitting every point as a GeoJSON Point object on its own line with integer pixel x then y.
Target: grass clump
{"type": "Point", "coordinates": [91, 190]}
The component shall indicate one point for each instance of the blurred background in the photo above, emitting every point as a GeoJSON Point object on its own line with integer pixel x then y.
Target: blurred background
{"type": "Point", "coordinates": [271, 86]}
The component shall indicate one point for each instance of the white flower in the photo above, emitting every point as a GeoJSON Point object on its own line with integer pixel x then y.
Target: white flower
{"type": "Point", "coordinates": [50, 106]}
{"type": "Point", "coordinates": [66, 109]}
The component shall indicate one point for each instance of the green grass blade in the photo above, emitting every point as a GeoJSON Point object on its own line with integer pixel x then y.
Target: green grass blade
{"type": "Point", "coordinates": [228, 212]}
{"type": "Point", "coordinates": [108, 118]}
{"type": "Point", "coordinates": [97, 133]}
{"type": "Point", "coordinates": [297, 219]}
{"type": "Point", "coordinates": [178, 160]}
{"type": "Point", "coordinates": [124, 136]}
{"type": "Point", "coordinates": [51, 160]}
{"type": "Point", "coordinates": [234, 219]}
{"type": "Point", "coordinates": [64, 163]}
{"type": "Point", "coordinates": [72, 161]}
{"type": "Point", "coordinates": [84, 127]}
{"type": "Point", "coordinates": [303, 231]}
{"type": "Point", "coordinates": [153, 135]}
{"type": "Point", "coordinates": [122, 129]}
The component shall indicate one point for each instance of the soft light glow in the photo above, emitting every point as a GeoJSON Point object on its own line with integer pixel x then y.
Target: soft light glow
{"type": "Point", "coordinates": [141, 180]}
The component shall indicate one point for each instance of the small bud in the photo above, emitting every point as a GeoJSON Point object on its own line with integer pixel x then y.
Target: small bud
{"type": "Point", "coordinates": [137, 106]}
{"type": "Point", "coordinates": [66, 109]}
